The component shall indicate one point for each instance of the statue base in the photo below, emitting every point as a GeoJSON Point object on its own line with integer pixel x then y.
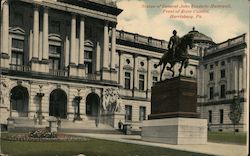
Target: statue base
{"type": "Point", "coordinates": [173, 118]}
{"type": "Point", "coordinates": [175, 131]}
{"type": "Point", "coordinates": [175, 97]}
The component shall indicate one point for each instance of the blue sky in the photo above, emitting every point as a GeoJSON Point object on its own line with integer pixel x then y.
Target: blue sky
{"type": "Point", "coordinates": [218, 23]}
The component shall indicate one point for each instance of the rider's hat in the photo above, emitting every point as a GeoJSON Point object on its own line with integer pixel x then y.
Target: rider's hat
{"type": "Point", "coordinates": [174, 32]}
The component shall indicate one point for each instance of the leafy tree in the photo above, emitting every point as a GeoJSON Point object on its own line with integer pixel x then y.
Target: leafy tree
{"type": "Point", "coordinates": [235, 111]}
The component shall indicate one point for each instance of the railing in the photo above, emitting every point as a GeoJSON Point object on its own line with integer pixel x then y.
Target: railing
{"type": "Point", "coordinates": [63, 73]}
{"type": "Point", "coordinates": [22, 68]}
{"type": "Point", "coordinates": [226, 44]}
{"type": "Point", "coordinates": [127, 36]}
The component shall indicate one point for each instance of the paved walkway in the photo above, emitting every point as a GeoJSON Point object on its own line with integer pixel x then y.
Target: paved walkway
{"type": "Point", "coordinates": [209, 148]}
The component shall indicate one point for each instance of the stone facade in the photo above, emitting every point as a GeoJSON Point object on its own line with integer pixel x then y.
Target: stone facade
{"type": "Point", "coordinates": [59, 58]}
{"type": "Point", "coordinates": [71, 52]}
{"type": "Point", "coordinates": [223, 75]}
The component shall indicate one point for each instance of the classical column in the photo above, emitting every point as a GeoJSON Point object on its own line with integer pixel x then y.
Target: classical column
{"type": "Point", "coordinates": [45, 34]}
{"type": "Point", "coordinates": [35, 33]}
{"type": "Point", "coordinates": [135, 73]}
{"type": "Point", "coordinates": [113, 46]}
{"type": "Point", "coordinates": [82, 39]}
{"type": "Point", "coordinates": [98, 56]}
{"type": "Point", "coordinates": [149, 81]}
{"type": "Point", "coordinates": [236, 75]}
{"type": "Point", "coordinates": [73, 40]}
{"type": "Point", "coordinates": [120, 68]}
{"type": "Point", "coordinates": [5, 28]}
{"type": "Point", "coordinates": [106, 46]}
{"type": "Point", "coordinates": [241, 76]}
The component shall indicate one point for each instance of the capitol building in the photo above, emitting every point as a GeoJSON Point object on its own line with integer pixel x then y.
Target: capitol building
{"type": "Point", "coordinates": [66, 59]}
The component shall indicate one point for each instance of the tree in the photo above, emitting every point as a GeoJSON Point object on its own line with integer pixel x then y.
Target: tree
{"type": "Point", "coordinates": [235, 111]}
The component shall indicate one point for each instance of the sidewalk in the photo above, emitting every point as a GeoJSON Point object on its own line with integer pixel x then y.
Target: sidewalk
{"type": "Point", "coordinates": [209, 148]}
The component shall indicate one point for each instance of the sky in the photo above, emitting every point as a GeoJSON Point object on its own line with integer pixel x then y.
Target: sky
{"type": "Point", "coordinates": [218, 19]}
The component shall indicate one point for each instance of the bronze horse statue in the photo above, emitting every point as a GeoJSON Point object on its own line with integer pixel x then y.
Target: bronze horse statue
{"type": "Point", "coordinates": [181, 55]}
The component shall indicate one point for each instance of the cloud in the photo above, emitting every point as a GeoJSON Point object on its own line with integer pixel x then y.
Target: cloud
{"type": "Point", "coordinates": [220, 24]}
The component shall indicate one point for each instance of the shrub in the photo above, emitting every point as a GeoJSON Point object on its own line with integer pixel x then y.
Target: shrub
{"type": "Point", "coordinates": [42, 133]}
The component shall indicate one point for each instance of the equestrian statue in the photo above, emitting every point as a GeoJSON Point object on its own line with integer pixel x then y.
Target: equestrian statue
{"type": "Point", "coordinates": [177, 53]}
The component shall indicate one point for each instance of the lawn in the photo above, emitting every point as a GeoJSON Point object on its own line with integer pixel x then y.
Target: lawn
{"type": "Point", "coordinates": [227, 137]}
{"type": "Point", "coordinates": [91, 147]}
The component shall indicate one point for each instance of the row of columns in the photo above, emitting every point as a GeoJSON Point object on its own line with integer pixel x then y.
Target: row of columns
{"type": "Point", "coordinates": [76, 57]}
{"type": "Point", "coordinates": [5, 27]}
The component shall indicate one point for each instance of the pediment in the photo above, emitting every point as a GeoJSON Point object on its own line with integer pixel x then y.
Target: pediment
{"type": "Point", "coordinates": [17, 30]}
{"type": "Point", "coordinates": [88, 43]}
{"type": "Point", "coordinates": [55, 37]}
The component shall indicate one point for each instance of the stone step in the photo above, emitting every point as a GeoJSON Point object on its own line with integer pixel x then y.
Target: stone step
{"type": "Point", "coordinates": [96, 131]}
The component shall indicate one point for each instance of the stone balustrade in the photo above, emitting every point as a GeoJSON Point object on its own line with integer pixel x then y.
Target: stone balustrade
{"type": "Point", "coordinates": [229, 43]}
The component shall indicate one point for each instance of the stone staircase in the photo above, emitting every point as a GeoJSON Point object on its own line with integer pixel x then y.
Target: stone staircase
{"type": "Point", "coordinates": [24, 124]}
{"type": "Point", "coordinates": [86, 126]}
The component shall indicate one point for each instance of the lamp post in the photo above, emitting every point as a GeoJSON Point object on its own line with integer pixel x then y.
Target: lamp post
{"type": "Point", "coordinates": [77, 107]}
{"type": "Point", "coordinates": [40, 96]}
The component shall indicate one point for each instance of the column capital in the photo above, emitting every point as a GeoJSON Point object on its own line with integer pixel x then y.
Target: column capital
{"type": "Point", "coordinates": [119, 52]}
{"type": "Point", "coordinates": [135, 55]}
{"type": "Point", "coordinates": [45, 8]}
{"type": "Point", "coordinates": [106, 23]}
{"type": "Point", "coordinates": [114, 24]}
{"type": "Point", "coordinates": [5, 1]}
{"type": "Point", "coordinates": [73, 14]}
{"type": "Point", "coordinates": [149, 58]}
{"type": "Point", "coordinates": [36, 6]}
{"type": "Point", "coordinates": [82, 17]}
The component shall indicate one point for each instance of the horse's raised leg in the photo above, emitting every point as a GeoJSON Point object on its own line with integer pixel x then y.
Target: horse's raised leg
{"type": "Point", "coordinates": [162, 70]}
{"type": "Point", "coordinates": [180, 69]}
{"type": "Point", "coordinates": [171, 69]}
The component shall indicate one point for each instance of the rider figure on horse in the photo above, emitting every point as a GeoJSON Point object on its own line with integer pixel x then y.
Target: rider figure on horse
{"type": "Point", "coordinates": [173, 42]}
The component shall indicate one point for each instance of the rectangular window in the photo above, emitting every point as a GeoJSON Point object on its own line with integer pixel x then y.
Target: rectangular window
{"type": "Point", "coordinates": [211, 76]}
{"type": "Point", "coordinates": [223, 73]}
{"type": "Point", "coordinates": [221, 116]}
{"type": "Point", "coordinates": [88, 55]}
{"type": "Point", "coordinates": [17, 44]}
{"type": "Point", "coordinates": [211, 93]}
{"type": "Point", "coordinates": [141, 82]}
{"type": "Point", "coordinates": [222, 91]}
{"type": "Point", "coordinates": [54, 57]}
{"type": "Point", "coordinates": [53, 49]}
{"type": "Point", "coordinates": [210, 116]}
{"type": "Point", "coordinates": [17, 52]}
{"type": "Point", "coordinates": [155, 79]}
{"type": "Point", "coordinates": [88, 67]}
{"type": "Point", "coordinates": [127, 80]}
{"type": "Point", "coordinates": [128, 115]}
{"type": "Point", "coordinates": [54, 63]}
{"type": "Point", "coordinates": [142, 113]}
{"type": "Point", "coordinates": [17, 58]}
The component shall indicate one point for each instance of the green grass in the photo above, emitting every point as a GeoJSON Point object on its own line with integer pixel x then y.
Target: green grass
{"type": "Point", "coordinates": [227, 137]}
{"type": "Point", "coordinates": [92, 147]}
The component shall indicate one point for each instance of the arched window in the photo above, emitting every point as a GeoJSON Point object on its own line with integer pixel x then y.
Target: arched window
{"type": "Point", "coordinates": [58, 104]}
{"type": "Point", "coordinates": [19, 100]}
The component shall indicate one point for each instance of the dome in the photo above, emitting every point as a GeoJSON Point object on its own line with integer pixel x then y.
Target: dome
{"type": "Point", "coordinates": [201, 38]}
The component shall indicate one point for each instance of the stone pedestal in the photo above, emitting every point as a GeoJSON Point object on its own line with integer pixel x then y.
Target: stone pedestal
{"type": "Point", "coordinates": [52, 124]}
{"type": "Point", "coordinates": [173, 117]}
{"type": "Point", "coordinates": [176, 97]}
{"type": "Point", "coordinates": [175, 131]}
{"type": "Point", "coordinates": [118, 117]}
{"type": "Point", "coordinates": [10, 124]}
